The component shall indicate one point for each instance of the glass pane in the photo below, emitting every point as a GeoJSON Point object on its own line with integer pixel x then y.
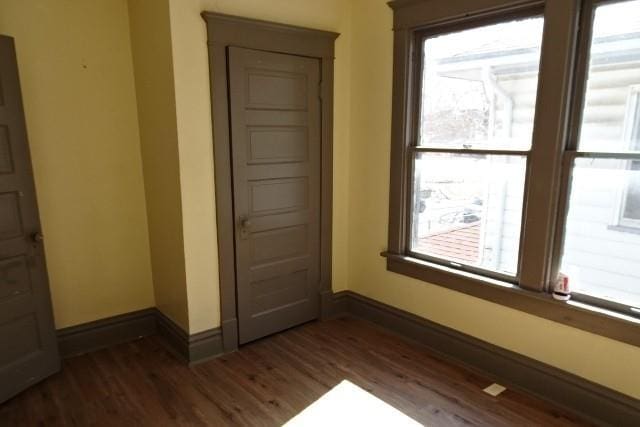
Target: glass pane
{"type": "Point", "coordinates": [468, 208]}
{"type": "Point", "coordinates": [479, 87]}
{"type": "Point", "coordinates": [611, 116]}
{"type": "Point", "coordinates": [602, 241]}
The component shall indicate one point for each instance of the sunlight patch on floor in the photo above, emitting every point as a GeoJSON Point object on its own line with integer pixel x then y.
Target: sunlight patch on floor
{"type": "Point", "coordinates": [348, 405]}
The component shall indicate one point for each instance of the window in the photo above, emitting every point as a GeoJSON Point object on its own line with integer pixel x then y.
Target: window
{"type": "Point", "coordinates": [515, 154]}
{"type": "Point", "coordinates": [475, 127]}
{"type": "Point", "coordinates": [604, 261]}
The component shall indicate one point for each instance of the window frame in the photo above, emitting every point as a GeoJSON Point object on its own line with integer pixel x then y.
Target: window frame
{"type": "Point", "coordinates": [567, 27]}
{"type": "Point", "coordinates": [413, 148]}
{"type": "Point", "coordinates": [572, 153]}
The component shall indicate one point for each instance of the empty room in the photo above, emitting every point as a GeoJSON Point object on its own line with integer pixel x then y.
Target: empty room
{"type": "Point", "coordinates": [319, 213]}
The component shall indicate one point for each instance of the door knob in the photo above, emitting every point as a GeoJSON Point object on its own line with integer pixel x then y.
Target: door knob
{"type": "Point", "coordinates": [37, 237]}
{"type": "Point", "coordinates": [245, 223]}
{"type": "Point", "coordinates": [245, 226]}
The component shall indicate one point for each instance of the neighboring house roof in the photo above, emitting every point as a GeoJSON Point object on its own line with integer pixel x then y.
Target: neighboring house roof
{"type": "Point", "coordinates": [460, 244]}
{"type": "Point", "coordinates": [505, 58]}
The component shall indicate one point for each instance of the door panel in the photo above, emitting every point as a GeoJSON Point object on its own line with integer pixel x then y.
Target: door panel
{"type": "Point", "coordinates": [28, 347]}
{"type": "Point", "coordinates": [276, 153]}
{"type": "Point", "coordinates": [277, 145]}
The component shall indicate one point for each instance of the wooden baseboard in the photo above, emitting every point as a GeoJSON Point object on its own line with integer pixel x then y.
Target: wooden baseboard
{"type": "Point", "coordinates": [333, 304]}
{"type": "Point", "coordinates": [589, 400]}
{"type": "Point", "coordinates": [194, 348]}
{"type": "Point", "coordinates": [107, 332]}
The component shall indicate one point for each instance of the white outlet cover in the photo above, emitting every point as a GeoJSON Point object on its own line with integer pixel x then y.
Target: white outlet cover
{"type": "Point", "coordinates": [494, 389]}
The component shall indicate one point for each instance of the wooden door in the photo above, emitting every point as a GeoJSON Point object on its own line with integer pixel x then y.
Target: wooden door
{"type": "Point", "coordinates": [28, 346]}
{"type": "Point", "coordinates": [276, 151]}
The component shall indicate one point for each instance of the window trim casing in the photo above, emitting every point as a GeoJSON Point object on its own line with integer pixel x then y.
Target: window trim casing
{"type": "Point", "coordinates": [572, 152]}
{"type": "Point", "coordinates": [419, 36]}
{"type": "Point", "coordinates": [540, 240]}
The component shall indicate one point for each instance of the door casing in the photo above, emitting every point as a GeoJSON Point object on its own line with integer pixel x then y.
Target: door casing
{"type": "Point", "coordinates": [224, 31]}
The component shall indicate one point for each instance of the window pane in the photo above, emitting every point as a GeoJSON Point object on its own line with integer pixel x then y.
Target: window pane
{"type": "Point", "coordinates": [611, 117]}
{"type": "Point", "coordinates": [479, 87]}
{"type": "Point", "coordinates": [602, 249]}
{"type": "Point", "coordinates": [468, 208]}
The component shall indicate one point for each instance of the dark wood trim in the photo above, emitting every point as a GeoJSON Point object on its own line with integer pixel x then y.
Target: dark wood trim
{"type": "Point", "coordinates": [103, 333]}
{"type": "Point", "coordinates": [413, 14]}
{"type": "Point", "coordinates": [400, 113]}
{"type": "Point", "coordinates": [224, 194]}
{"type": "Point", "coordinates": [87, 337]}
{"type": "Point", "coordinates": [176, 339]}
{"type": "Point", "coordinates": [224, 31]}
{"type": "Point", "coordinates": [326, 173]}
{"type": "Point", "coordinates": [550, 132]}
{"type": "Point", "coordinates": [333, 304]}
{"type": "Point", "coordinates": [229, 30]}
{"type": "Point", "coordinates": [587, 399]}
{"type": "Point", "coordinates": [532, 302]}
{"type": "Point", "coordinates": [193, 349]}
{"type": "Point", "coordinates": [581, 69]}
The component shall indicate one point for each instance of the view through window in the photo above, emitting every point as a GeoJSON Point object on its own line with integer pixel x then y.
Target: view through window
{"type": "Point", "coordinates": [476, 122]}
{"type": "Point", "coordinates": [602, 240]}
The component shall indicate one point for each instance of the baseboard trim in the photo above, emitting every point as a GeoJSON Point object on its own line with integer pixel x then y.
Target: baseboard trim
{"type": "Point", "coordinates": [589, 400]}
{"type": "Point", "coordinates": [332, 304]}
{"type": "Point", "coordinates": [230, 335]}
{"type": "Point", "coordinates": [102, 333]}
{"type": "Point", "coordinates": [88, 337]}
{"type": "Point", "coordinates": [193, 349]}
{"type": "Point", "coordinates": [596, 403]}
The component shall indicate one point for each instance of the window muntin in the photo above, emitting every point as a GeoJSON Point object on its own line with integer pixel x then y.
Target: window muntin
{"type": "Point", "coordinates": [477, 102]}
{"type": "Point", "coordinates": [479, 86]}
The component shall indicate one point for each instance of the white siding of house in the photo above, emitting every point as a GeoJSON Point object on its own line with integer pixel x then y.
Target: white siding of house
{"type": "Point", "coordinates": [607, 260]}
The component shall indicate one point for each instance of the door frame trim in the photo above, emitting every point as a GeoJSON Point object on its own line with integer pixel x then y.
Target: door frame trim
{"type": "Point", "coordinates": [227, 30]}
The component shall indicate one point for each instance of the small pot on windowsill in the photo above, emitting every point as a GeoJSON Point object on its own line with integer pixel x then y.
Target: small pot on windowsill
{"type": "Point", "coordinates": [561, 288]}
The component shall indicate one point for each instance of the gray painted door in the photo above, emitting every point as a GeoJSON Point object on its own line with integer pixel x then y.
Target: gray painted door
{"type": "Point", "coordinates": [28, 347]}
{"type": "Point", "coordinates": [275, 134]}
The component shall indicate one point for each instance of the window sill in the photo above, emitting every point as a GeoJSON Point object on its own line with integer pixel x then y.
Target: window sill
{"type": "Point", "coordinates": [579, 315]}
{"type": "Point", "coordinates": [624, 228]}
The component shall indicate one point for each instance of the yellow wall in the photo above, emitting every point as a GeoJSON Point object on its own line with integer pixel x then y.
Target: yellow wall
{"type": "Point", "coordinates": [153, 64]}
{"type": "Point", "coordinates": [193, 109]}
{"type": "Point", "coordinates": [599, 359]}
{"type": "Point", "coordinates": [77, 82]}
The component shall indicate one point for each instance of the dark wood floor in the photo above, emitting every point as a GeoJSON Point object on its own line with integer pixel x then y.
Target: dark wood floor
{"type": "Point", "coordinates": [268, 382]}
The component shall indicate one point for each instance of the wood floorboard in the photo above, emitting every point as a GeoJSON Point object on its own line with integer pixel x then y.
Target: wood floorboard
{"type": "Point", "coordinates": [268, 382]}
